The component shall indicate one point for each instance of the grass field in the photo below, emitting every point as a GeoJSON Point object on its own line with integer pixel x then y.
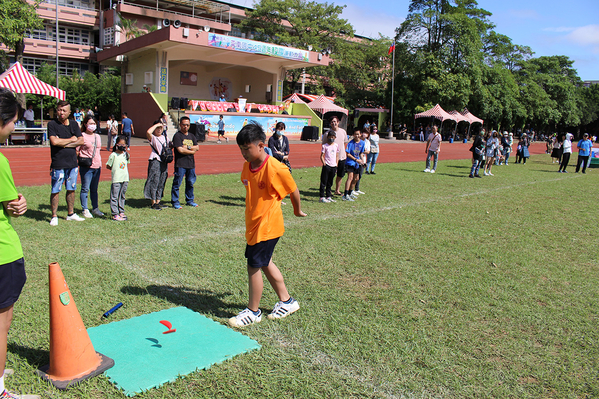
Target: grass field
{"type": "Point", "coordinates": [428, 286]}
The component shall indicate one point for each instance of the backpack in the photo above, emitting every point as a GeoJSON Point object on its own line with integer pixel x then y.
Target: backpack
{"type": "Point", "coordinates": [166, 155]}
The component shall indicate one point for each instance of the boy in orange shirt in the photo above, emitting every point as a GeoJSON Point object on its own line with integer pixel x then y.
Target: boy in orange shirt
{"type": "Point", "coordinates": [267, 182]}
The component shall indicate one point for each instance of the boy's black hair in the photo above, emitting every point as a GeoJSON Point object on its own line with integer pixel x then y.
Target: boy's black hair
{"type": "Point", "coordinates": [9, 106]}
{"type": "Point", "coordinates": [251, 133]}
{"type": "Point", "coordinates": [357, 129]}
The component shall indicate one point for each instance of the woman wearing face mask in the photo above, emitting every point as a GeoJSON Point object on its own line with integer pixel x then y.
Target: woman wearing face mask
{"type": "Point", "coordinates": [90, 170]}
{"type": "Point", "coordinates": [279, 144]}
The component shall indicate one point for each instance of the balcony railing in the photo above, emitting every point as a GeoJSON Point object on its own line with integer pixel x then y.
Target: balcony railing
{"type": "Point", "coordinates": [175, 12]}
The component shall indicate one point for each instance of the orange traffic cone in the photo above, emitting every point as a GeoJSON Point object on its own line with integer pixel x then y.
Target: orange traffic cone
{"type": "Point", "coordinates": [72, 355]}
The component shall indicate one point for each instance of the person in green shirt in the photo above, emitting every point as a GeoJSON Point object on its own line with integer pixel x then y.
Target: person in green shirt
{"type": "Point", "coordinates": [12, 264]}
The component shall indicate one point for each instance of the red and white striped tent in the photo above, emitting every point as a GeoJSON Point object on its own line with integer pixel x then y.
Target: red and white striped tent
{"type": "Point", "coordinates": [307, 97]}
{"type": "Point", "coordinates": [295, 98]}
{"type": "Point", "coordinates": [19, 80]}
{"type": "Point", "coordinates": [472, 118]}
{"type": "Point", "coordinates": [460, 117]}
{"type": "Point", "coordinates": [323, 105]}
{"type": "Point", "coordinates": [436, 112]}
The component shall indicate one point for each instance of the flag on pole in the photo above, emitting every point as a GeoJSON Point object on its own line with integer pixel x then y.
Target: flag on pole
{"type": "Point", "coordinates": [392, 48]}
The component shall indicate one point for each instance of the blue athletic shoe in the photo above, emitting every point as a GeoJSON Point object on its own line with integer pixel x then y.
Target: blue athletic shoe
{"type": "Point", "coordinates": [177, 206]}
{"type": "Point", "coordinates": [192, 204]}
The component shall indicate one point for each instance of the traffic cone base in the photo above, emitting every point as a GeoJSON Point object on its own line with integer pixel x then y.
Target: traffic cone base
{"type": "Point", "coordinates": [72, 355]}
{"type": "Point", "coordinates": [105, 364]}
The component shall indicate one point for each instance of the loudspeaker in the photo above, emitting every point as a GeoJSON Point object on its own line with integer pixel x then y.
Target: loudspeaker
{"type": "Point", "coordinates": [310, 133]}
{"type": "Point", "coordinates": [177, 23]}
{"type": "Point", "coordinates": [198, 130]}
{"type": "Point", "coordinates": [183, 103]}
{"type": "Point", "coordinates": [175, 102]}
{"type": "Point", "coordinates": [166, 23]}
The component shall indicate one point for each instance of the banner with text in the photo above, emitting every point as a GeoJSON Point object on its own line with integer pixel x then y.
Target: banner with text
{"type": "Point", "coordinates": [251, 46]}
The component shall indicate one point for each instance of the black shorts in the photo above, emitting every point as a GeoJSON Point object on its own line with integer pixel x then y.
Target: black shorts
{"type": "Point", "coordinates": [221, 132]}
{"type": "Point", "coordinates": [352, 169]}
{"type": "Point", "coordinates": [260, 254]}
{"type": "Point", "coordinates": [341, 168]}
{"type": "Point", "coordinates": [12, 280]}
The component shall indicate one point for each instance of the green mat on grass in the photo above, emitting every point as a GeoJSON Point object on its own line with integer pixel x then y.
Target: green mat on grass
{"type": "Point", "coordinates": [145, 358]}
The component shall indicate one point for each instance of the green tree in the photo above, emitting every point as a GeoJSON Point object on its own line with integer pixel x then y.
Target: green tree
{"type": "Point", "coordinates": [16, 18]}
{"type": "Point", "coordinates": [548, 87]}
{"type": "Point", "coordinates": [439, 58]}
{"type": "Point", "coordinates": [128, 27]}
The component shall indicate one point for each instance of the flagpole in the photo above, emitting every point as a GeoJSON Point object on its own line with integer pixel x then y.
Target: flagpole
{"type": "Point", "coordinates": [392, 91]}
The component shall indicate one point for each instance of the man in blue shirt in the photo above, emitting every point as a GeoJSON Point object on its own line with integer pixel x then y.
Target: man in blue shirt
{"type": "Point", "coordinates": [584, 151]}
{"type": "Point", "coordinates": [127, 129]}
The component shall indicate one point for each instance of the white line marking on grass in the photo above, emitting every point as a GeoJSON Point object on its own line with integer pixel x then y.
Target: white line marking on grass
{"type": "Point", "coordinates": [108, 254]}
{"type": "Point", "coordinates": [368, 211]}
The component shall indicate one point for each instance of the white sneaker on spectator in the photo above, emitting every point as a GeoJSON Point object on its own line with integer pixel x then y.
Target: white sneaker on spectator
{"type": "Point", "coordinates": [54, 221]}
{"type": "Point", "coordinates": [347, 198]}
{"type": "Point", "coordinates": [432, 170]}
{"type": "Point", "coordinates": [323, 199]}
{"type": "Point", "coordinates": [360, 192]}
{"type": "Point", "coordinates": [75, 217]}
{"type": "Point", "coordinates": [97, 212]}
{"type": "Point", "coordinates": [331, 199]}
{"type": "Point", "coordinates": [245, 318]}
{"type": "Point", "coordinates": [427, 170]}
{"type": "Point", "coordinates": [283, 309]}
{"type": "Point", "coordinates": [87, 214]}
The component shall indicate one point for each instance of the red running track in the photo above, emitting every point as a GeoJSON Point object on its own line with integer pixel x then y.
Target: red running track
{"type": "Point", "coordinates": [31, 165]}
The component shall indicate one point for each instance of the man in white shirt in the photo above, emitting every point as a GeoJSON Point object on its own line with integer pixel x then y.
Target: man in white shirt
{"type": "Point", "coordinates": [29, 116]}
{"type": "Point", "coordinates": [433, 147]}
{"type": "Point", "coordinates": [341, 140]}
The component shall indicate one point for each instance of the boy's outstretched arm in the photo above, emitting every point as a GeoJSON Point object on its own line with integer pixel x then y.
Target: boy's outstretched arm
{"type": "Point", "coordinates": [297, 206]}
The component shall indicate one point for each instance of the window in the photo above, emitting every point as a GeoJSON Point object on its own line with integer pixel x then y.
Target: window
{"type": "Point", "coordinates": [109, 36]}
{"type": "Point", "coordinates": [65, 68]}
{"type": "Point", "coordinates": [70, 35]}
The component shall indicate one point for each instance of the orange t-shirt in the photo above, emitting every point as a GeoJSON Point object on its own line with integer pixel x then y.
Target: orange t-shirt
{"type": "Point", "coordinates": [265, 189]}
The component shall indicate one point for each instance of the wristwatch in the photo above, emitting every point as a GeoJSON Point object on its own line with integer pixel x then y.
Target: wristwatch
{"type": "Point", "coordinates": [189, 147]}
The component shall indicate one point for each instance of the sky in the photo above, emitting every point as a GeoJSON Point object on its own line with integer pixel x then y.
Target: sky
{"type": "Point", "coordinates": [548, 27]}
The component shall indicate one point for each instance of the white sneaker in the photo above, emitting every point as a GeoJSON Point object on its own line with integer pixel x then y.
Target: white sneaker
{"type": "Point", "coordinates": [355, 193]}
{"type": "Point", "coordinates": [360, 192]}
{"type": "Point", "coordinates": [87, 214]}
{"type": "Point", "coordinates": [97, 212]}
{"type": "Point", "coordinates": [323, 199]}
{"type": "Point", "coordinates": [283, 309]}
{"type": "Point", "coordinates": [353, 197]}
{"type": "Point", "coordinates": [432, 170]}
{"type": "Point", "coordinates": [347, 198]}
{"type": "Point", "coordinates": [491, 174]}
{"type": "Point", "coordinates": [427, 170]}
{"type": "Point", "coordinates": [486, 174]}
{"type": "Point", "coordinates": [54, 221]}
{"type": "Point", "coordinates": [75, 217]}
{"type": "Point", "coordinates": [11, 395]}
{"type": "Point", "coordinates": [245, 318]}
{"type": "Point", "coordinates": [331, 199]}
